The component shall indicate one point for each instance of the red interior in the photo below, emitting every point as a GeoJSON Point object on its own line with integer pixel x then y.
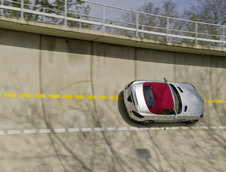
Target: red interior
{"type": "Point", "coordinates": [162, 96]}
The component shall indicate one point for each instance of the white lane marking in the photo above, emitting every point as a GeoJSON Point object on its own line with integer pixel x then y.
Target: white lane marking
{"type": "Point", "coordinates": [73, 130]}
{"type": "Point", "coordinates": [222, 127]}
{"type": "Point", "coordinates": [111, 129]}
{"type": "Point", "coordinates": [185, 128]}
{"type": "Point", "coordinates": [212, 127]}
{"type": "Point", "coordinates": [195, 128]}
{"type": "Point", "coordinates": [174, 128]}
{"type": "Point", "coordinates": [133, 128]}
{"type": "Point", "coordinates": [30, 131]}
{"type": "Point", "coordinates": [14, 132]}
{"type": "Point", "coordinates": [203, 127]}
{"type": "Point", "coordinates": [59, 130]}
{"type": "Point", "coordinates": [155, 128]}
{"type": "Point", "coordinates": [98, 129]}
{"type": "Point", "coordinates": [122, 128]}
{"type": "Point", "coordinates": [168, 128]}
{"type": "Point", "coordinates": [63, 130]}
{"type": "Point", "coordinates": [45, 131]}
{"type": "Point", "coordinates": [143, 129]}
{"type": "Point", "coordinates": [86, 129]}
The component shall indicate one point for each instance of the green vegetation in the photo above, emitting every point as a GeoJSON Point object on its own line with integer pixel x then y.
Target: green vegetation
{"type": "Point", "coordinates": [75, 9]}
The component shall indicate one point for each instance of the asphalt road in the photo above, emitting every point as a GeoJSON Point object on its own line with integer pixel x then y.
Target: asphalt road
{"type": "Point", "coordinates": [61, 108]}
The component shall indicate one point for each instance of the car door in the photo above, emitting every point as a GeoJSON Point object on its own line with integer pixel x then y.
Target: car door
{"type": "Point", "coordinates": [166, 116]}
{"type": "Point", "coordinates": [186, 117]}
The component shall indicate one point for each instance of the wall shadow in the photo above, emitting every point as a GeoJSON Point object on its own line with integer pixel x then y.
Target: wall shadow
{"type": "Point", "coordinates": [129, 121]}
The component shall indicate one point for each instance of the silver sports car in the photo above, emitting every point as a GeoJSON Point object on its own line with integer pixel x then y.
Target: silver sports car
{"type": "Point", "coordinates": [155, 101]}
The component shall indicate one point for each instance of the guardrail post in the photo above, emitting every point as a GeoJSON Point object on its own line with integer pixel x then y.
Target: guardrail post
{"type": "Point", "coordinates": [80, 23]}
{"type": "Point", "coordinates": [65, 12]}
{"type": "Point", "coordinates": [167, 29]}
{"type": "Point", "coordinates": [2, 10]}
{"type": "Point", "coordinates": [142, 34]}
{"type": "Point", "coordinates": [103, 20]}
{"type": "Point", "coordinates": [44, 17]}
{"type": "Point", "coordinates": [223, 37]}
{"type": "Point", "coordinates": [22, 9]}
{"type": "Point", "coordinates": [196, 33]}
{"type": "Point", "coordinates": [137, 23]}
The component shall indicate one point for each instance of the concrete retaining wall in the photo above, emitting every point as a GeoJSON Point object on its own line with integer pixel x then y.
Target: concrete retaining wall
{"type": "Point", "coordinates": [40, 64]}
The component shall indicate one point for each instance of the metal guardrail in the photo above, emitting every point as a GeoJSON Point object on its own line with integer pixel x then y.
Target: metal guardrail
{"type": "Point", "coordinates": [141, 24]}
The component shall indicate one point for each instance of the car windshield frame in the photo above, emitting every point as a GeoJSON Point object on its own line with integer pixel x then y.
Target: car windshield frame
{"type": "Point", "coordinates": [149, 97]}
{"type": "Point", "coordinates": [177, 99]}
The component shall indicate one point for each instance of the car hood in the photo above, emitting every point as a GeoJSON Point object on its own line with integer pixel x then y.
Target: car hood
{"type": "Point", "coordinates": [139, 96]}
{"type": "Point", "coordinates": [190, 98]}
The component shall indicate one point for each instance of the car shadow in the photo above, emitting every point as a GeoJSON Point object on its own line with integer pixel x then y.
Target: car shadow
{"type": "Point", "coordinates": [129, 121]}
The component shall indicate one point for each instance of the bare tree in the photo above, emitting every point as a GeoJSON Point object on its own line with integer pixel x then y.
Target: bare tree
{"type": "Point", "coordinates": [169, 9]}
{"type": "Point", "coordinates": [152, 18]}
{"type": "Point", "coordinates": [209, 11]}
{"type": "Point", "coordinates": [77, 9]}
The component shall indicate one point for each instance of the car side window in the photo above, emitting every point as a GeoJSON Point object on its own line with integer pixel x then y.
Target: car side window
{"type": "Point", "coordinates": [168, 112]}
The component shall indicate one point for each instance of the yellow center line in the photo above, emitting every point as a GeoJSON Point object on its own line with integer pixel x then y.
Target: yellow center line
{"type": "Point", "coordinates": [54, 96]}
{"type": "Point", "coordinates": [103, 97]}
{"type": "Point", "coordinates": [211, 101]}
{"type": "Point", "coordinates": [26, 95]}
{"type": "Point", "coordinates": [219, 101]}
{"type": "Point", "coordinates": [79, 96]}
{"type": "Point", "coordinates": [40, 95]}
{"type": "Point", "coordinates": [10, 94]}
{"type": "Point", "coordinates": [91, 97]}
{"type": "Point", "coordinates": [67, 96]}
{"type": "Point", "coordinates": [114, 98]}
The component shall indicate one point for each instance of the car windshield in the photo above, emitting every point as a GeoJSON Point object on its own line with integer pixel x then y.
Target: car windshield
{"type": "Point", "coordinates": [148, 95]}
{"type": "Point", "coordinates": [177, 99]}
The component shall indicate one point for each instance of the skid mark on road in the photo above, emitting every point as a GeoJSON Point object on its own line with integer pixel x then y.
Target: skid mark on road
{"type": "Point", "coordinates": [85, 97]}
{"type": "Point", "coordinates": [102, 129]}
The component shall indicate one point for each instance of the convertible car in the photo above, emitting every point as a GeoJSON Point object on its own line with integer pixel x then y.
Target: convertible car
{"type": "Point", "coordinates": [156, 101]}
